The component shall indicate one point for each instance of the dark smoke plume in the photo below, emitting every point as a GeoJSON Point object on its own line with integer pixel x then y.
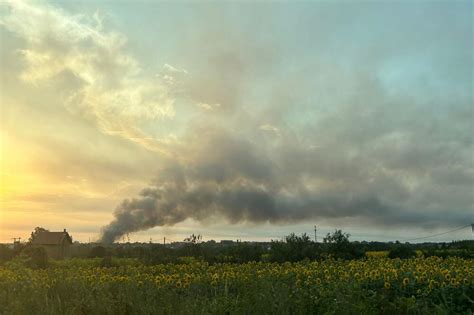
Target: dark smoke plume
{"type": "Point", "coordinates": [238, 181]}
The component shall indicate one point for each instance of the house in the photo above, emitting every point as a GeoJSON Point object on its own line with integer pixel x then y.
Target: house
{"type": "Point", "coordinates": [56, 244]}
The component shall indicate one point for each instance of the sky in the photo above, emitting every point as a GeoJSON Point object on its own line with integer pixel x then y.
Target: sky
{"type": "Point", "coordinates": [236, 119]}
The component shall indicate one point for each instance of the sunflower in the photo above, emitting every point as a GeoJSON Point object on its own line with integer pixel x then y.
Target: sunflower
{"type": "Point", "coordinates": [406, 281]}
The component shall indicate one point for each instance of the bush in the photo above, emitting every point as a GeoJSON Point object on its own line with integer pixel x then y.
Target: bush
{"type": "Point", "coordinates": [107, 262]}
{"type": "Point", "coordinates": [6, 253]}
{"type": "Point", "coordinates": [401, 251]}
{"type": "Point", "coordinates": [98, 251]}
{"type": "Point", "coordinates": [338, 245]}
{"type": "Point", "coordinates": [35, 257]}
{"type": "Point", "coordinates": [293, 248]}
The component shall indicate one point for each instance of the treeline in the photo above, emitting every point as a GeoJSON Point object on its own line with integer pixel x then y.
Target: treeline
{"type": "Point", "coordinates": [290, 249]}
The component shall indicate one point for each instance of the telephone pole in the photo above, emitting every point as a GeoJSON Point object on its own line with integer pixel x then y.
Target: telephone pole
{"type": "Point", "coordinates": [315, 234]}
{"type": "Point", "coordinates": [164, 241]}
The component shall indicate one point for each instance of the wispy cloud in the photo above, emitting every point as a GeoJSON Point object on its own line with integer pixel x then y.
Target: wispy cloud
{"type": "Point", "coordinates": [267, 127]}
{"type": "Point", "coordinates": [206, 106]}
{"type": "Point", "coordinates": [94, 74]}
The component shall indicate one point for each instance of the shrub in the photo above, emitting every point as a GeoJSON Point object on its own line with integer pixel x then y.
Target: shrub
{"type": "Point", "coordinates": [293, 248]}
{"type": "Point", "coordinates": [98, 251]}
{"type": "Point", "coordinates": [35, 257]}
{"type": "Point", "coordinates": [6, 253]}
{"type": "Point", "coordinates": [107, 262]}
{"type": "Point", "coordinates": [401, 251]}
{"type": "Point", "coordinates": [337, 245]}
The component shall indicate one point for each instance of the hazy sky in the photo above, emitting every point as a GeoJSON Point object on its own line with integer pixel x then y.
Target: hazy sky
{"type": "Point", "coordinates": [236, 119]}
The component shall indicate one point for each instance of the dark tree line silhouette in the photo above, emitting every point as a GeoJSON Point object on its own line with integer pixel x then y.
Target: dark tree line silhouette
{"type": "Point", "coordinates": [291, 248]}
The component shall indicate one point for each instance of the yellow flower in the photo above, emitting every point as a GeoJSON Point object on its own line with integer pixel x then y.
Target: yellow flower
{"type": "Point", "coordinates": [406, 281]}
{"type": "Point", "coordinates": [387, 285]}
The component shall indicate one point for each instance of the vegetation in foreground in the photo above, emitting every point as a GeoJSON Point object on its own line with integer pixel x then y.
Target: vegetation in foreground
{"type": "Point", "coordinates": [374, 285]}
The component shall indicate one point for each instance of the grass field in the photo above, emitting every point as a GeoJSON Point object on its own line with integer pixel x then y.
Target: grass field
{"type": "Point", "coordinates": [375, 285]}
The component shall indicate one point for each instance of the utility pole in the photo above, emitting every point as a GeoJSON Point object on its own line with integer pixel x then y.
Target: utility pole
{"type": "Point", "coordinates": [164, 240]}
{"type": "Point", "coordinates": [315, 234]}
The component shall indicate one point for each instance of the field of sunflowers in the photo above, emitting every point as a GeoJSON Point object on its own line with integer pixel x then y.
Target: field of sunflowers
{"type": "Point", "coordinates": [371, 286]}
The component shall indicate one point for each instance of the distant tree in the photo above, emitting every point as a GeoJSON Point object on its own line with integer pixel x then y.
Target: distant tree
{"type": "Point", "coordinates": [192, 247]}
{"type": "Point", "coordinates": [293, 248]}
{"type": "Point", "coordinates": [98, 251]}
{"type": "Point", "coordinates": [241, 253]}
{"type": "Point", "coordinates": [194, 239]}
{"type": "Point", "coordinates": [35, 233]}
{"type": "Point", "coordinates": [6, 253]}
{"type": "Point", "coordinates": [401, 251]}
{"type": "Point", "coordinates": [338, 245]}
{"type": "Point", "coordinates": [337, 238]}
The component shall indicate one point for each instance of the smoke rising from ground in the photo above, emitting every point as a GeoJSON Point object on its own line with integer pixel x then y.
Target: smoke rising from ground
{"type": "Point", "coordinates": [235, 179]}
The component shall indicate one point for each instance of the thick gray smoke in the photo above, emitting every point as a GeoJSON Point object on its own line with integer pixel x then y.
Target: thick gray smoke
{"type": "Point", "coordinates": [226, 177]}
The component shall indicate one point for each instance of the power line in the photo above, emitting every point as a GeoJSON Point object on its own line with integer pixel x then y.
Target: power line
{"type": "Point", "coordinates": [447, 232]}
{"type": "Point", "coordinates": [422, 237]}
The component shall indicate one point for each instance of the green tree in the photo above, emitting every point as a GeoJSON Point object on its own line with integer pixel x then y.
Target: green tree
{"type": "Point", "coordinates": [401, 251]}
{"type": "Point", "coordinates": [98, 251]}
{"type": "Point", "coordinates": [294, 248]}
{"type": "Point", "coordinates": [338, 245]}
{"type": "Point", "coordinates": [35, 233]}
{"type": "Point", "coordinates": [6, 253]}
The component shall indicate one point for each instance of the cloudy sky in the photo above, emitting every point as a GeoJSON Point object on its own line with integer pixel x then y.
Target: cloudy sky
{"type": "Point", "coordinates": [240, 119]}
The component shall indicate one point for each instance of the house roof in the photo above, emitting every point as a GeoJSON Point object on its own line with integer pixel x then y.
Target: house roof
{"type": "Point", "coordinates": [51, 238]}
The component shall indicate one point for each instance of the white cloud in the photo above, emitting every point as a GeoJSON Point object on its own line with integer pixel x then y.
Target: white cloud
{"type": "Point", "coordinates": [267, 127]}
{"type": "Point", "coordinates": [207, 106]}
{"type": "Point", "coordinates": [173, 69]}
{"type": "Point", "coordinates": [107, 84]}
